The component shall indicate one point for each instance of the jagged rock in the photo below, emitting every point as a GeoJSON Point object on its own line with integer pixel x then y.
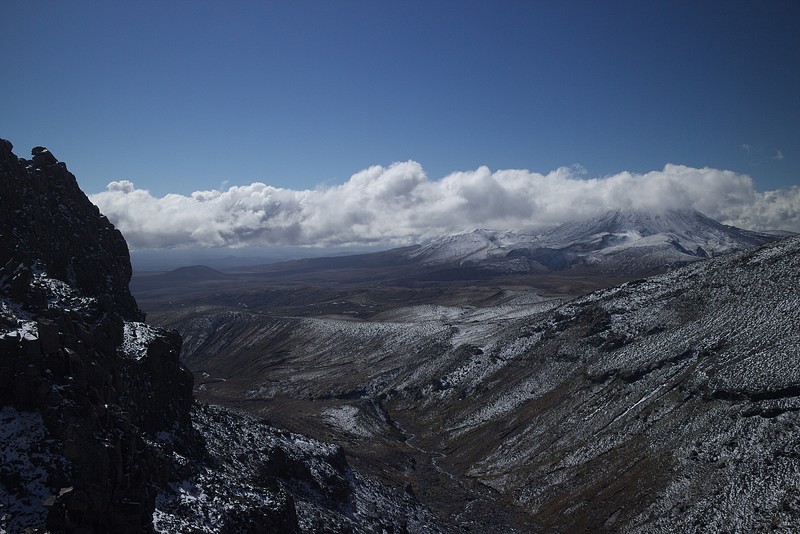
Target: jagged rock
{"type": "Point", "coordinates": [65, 302]}
{"type": "Point", "coordinates": [46, 218]}
{"type": "Point", "coordinates": [48, 335]}
{"type": "Point", "coordinates": [261, 520]}
{"type": "Point", "coordinates": [43, 157]}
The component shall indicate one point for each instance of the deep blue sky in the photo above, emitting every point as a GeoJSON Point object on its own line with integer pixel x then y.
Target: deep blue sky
{"type": "Point", "coordinates": [180, 96]}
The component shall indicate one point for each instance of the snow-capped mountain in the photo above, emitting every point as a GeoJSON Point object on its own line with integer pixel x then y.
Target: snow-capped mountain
{"type": "Point", "coordinates": [618, 241]}
{"type": "Point", "coordinates": [689, 230]}
{"type": "Point", "coordinates": [475, 246]}
{"type": "Point", "coordinates": [662, 404]}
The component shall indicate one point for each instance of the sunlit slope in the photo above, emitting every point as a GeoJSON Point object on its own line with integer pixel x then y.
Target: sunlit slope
{"type": "Point", "coordinates": [673, 400]}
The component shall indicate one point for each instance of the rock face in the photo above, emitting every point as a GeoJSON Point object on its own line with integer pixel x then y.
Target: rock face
{"type": "Point", "coordinates": [98, 428]}
{"type": "Point", "coordinates": [46, 218]}
{"type": "Point", "coordinates": [104, 387]}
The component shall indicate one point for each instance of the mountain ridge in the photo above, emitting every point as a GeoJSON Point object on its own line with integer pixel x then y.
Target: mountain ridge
{"type": "Point", "coordinates": [668, 402]}
{"type": "Point", "coordinates": [609, 243]}
{"type": "Point", "coordinates": [616, 245]}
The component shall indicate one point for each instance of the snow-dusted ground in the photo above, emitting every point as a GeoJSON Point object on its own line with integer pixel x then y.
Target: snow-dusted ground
{"type": "Point", "coordinates": [60, 297]}
{"type": "Point", "coordinates": [27, 460]}
{"type": "Point", "coordinates": [468, 247]}
{"type": "Point", "coordinates": [137, 337]}
{"type": "Point", "coordinates": [673, 400]}
{"type": "Point", "coordinates": [349, 419]}
{"type": "Point", "coordinates": [256, 468]}
{"type": "Point", "coordinates": [702, 366]}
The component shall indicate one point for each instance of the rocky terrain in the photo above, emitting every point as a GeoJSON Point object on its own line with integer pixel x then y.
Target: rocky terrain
{"type": "Point", "coordinates": [86, 387]}
{"type": "Point", "coordinates": [665, 403]}
{"type": "Point", "coordinates": [98, 428]}
{"type": "Point", "coordinates": [366, 394]}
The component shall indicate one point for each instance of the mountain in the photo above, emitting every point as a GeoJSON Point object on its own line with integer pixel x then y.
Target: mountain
{"type": "Point", "coordinates": [474, 246]}
{"type": "Point", "coordinates": [569, 259]}
{"type": "Point", "coordinates": [662, 404]}
{"type": "Point", "coordinates": [630, 242]}
{"type": "Point", "coordinates": [188, 276]}
{"type": "Point", "coordinates": [99, 431]}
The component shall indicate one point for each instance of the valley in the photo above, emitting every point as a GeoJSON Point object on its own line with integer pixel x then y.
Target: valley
{"type": "Point", "coordinates": [635, 372]}
{"type": "Point", "coordinates": [400, 268]}
{"type": "Point", "coordinates": [522, 402]}
{"type": "Point", "coordinates": [328, 361]}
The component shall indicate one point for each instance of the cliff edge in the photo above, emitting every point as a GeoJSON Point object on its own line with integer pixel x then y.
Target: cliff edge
{"type": "Point", "coordinates": [92, 400]}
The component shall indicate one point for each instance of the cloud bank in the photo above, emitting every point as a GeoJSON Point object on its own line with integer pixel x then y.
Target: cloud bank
{"type": "Point", "coordinates": [398, 205]}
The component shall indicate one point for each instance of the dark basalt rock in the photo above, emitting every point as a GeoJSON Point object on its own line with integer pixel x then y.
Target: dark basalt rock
{"type": "Point", "coordinates": [46, 218]}
{"type": "Point", "coordinates": [103, 409]}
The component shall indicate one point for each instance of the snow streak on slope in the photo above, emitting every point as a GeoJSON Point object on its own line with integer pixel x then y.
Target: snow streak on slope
{"type": "Point", "coordinates": [137, 338]}
{"type": "Point", "coordinates": [629, 241]}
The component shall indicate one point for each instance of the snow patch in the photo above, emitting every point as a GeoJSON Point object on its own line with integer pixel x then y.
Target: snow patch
{"type": "Point", "coordinates": [137, 338]}
{"type": "Point", "coordinates": [24, 463]}
{"type": "Point", "coordinates": [347, 418]}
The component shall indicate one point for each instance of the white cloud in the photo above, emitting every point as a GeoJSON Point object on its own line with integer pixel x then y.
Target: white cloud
{"type": "Point", "coordinates": [771, 210]}
{"type": "Point", "coordinates": [398, 205]}
{"type": "Point", "coordinates": [123, 186]}
{"type": "Point", "coordinates": [778, 154]}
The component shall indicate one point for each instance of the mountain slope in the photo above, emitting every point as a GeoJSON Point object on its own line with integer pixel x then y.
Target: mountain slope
{"type": "Point", "coordinates": [473, 246]}
{"type": "Point", "coordinates": [666, 403]}
{"type": "Point", "coordinates": [618, 241]}
{"type": "Point", "coordinates": [671, 401]}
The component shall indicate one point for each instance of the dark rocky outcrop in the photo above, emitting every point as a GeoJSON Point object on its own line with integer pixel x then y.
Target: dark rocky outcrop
{"type": "Point", "coordinates": [46, 218]}
{"type": "Point", "coordinates": [113, 410]}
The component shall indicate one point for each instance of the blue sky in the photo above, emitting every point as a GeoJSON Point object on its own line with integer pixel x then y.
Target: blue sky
{"type": "Point", "coordinates": [183, 96]}
{"type": "Point", "coordinates": [176, 97]}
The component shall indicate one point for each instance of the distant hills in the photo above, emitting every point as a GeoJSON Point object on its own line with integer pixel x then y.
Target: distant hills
{"type": "Point", "coordinates": [618, 244]}
{"type": "Point", "coordinates": [182, 276]}
{"type": "Point", "coordinates": [422, 389]}
{"type": "Point", "coordinates": [632, 242]}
